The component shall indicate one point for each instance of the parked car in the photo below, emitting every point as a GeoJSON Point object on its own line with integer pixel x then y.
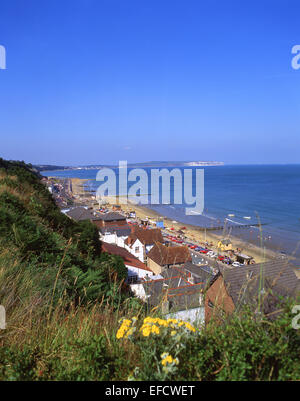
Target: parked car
{"type": "Point", "coordinates": [236, 264]}
{"type": "Point", "coordinates": [227, 260]}
{"type": "Point", "coordinates": [204, 251]}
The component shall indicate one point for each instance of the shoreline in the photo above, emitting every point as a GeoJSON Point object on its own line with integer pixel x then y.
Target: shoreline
{"type": "Point", "coordinates": [194, 233]}
{"type": "Point", "coordinates": [200, 235]}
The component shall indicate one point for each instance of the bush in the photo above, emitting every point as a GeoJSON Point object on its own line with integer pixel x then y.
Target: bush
{"type": "Point", "coordinates": [64, 253]}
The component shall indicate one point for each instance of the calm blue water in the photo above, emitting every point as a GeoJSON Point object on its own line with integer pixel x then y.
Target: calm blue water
{"type": "Point", "coordinates": [271, 192]}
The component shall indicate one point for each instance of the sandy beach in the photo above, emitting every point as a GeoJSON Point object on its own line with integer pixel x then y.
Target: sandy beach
{"type": "Point", "coordinates": [77, 187]}
{"type": "Point", "coordinates": [197, 234]}
{"type": "Point", "coordinates": [191, 232]}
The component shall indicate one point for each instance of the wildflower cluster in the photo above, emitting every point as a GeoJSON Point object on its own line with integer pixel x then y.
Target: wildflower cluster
{"type": "Point", "coordinates": [167, 359]}
{"type": "Point", "coordinates": [162, 334]}
{"type": "Point", "coordinates": [155, 326]}
{"type": "Point", "coordinates": [169, 363]}
{"type": "Point", "coordinates": [125, 329]}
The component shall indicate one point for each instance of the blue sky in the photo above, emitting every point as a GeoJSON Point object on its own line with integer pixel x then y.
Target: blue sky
{"type": "Point", "coordinates": [97, 81]}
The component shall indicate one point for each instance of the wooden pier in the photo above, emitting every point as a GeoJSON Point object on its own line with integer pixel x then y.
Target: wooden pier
{"type": "Point", "coordinates": [231, 226]}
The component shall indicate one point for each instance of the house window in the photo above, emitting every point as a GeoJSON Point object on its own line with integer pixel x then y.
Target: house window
{"type": "Point", "coordinates": [210, 304]}
{"type": "Point", "coordinates": [132, 279]}
{"type": "Point", "coordinates": [137, 249]}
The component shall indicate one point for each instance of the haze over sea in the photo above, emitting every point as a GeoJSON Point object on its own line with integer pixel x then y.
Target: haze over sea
{"type": "Point", "coordinates": [266, 193]}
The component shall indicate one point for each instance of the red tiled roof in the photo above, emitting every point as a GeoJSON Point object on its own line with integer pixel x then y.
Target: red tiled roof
{"type": "Point", "coordinates": [125, 255]}
{"type": "Point", "coordinates": [146, 236]}
{"type": "Point", "coordinates": [169, 255]}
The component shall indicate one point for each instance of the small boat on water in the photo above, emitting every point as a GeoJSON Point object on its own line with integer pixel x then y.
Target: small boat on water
{"type": "Point", "coordinates": [247, 217]}
{"type": "Point", "coordinates": [231, 215]}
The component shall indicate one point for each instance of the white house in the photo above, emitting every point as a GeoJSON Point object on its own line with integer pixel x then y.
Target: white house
{"type": "Point", "coordinates": [135, 268]}
{"type": "Point", "coordinates": [136, 249]}
{"type": "Point", "coordinates": [137, 272]}
{"type": "Point", "coordinates": [114, 235]}
{"type": "Point", "coordinates": [141, 240]}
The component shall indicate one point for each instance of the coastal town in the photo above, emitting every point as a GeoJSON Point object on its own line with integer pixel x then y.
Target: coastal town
{"type": "Point", "coordinates": [149, 194]}
{"type": "Point", "coordinates": [180, 270]}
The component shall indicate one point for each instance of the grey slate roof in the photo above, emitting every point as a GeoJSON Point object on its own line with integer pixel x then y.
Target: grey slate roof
{"type": "Point", "coordinates": [80, 213]}
{"type": "Point", "coordinates": [225, 241]}
{"type": "Point", "coordinates": [176, 288]}
{"type": "Point", "coordinates": [269, 280]}
{"type": "Point", "coordinates": [111, 216]}
{"type": "Point", "coordinates": [201, 273]}
{"type": "Point", "coordinates": [120, 232]}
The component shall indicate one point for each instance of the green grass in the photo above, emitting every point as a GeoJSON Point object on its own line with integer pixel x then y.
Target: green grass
{"type": "Point", "coordinates": [81, 344]}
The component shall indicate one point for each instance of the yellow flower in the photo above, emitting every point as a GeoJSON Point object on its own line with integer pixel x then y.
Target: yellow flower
{"type": "Point", "coordinates": [120, 333]}
{"type": "Point", "coordinates": [146, 332]}
{"type": "Point", "coordinates": [123, 328]}
{"type": "Point", "coordinates": [172, 321]}
{"type": "Point", "coordinates": [167, 359]}
{"type": "Point", "coordinates": [145, 326]}
{"type": "Point", "coordinates": [162, 322]}
{"type": "Point", "coordinates": [190, 327]}
{"type": "Point", "coordinates": [155, 329]}
{"type": "Point", "coordinates": [129, 332]}
{"type": "Point", "coordinates": [173, 333]}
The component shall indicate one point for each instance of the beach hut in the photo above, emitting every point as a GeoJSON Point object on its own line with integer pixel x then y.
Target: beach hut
{"type": "Point", "coordinates": [160, 224]}
{"type": "Point", "coordinates": [224, 245]}
{"type": "Point", "coordinates": [244, 259]}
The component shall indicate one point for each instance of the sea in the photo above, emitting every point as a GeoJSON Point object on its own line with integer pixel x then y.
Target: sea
{"type": "Point", "coordinates": [257, 203]}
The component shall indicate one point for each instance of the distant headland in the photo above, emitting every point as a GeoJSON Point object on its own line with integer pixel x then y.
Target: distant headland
{"type": "Point", "coordinates": [49, 167]}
